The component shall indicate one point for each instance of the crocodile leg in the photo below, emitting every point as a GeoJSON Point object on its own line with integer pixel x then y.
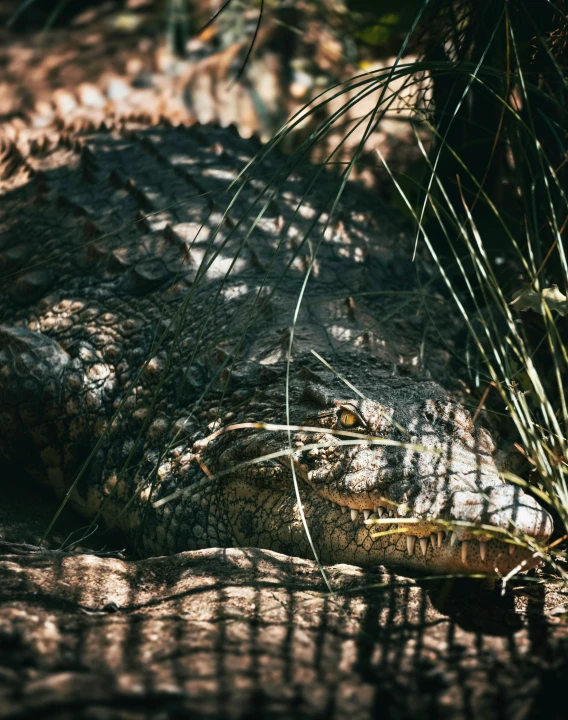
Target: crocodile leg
{"type": "Point", "coordinates": [39, 384]}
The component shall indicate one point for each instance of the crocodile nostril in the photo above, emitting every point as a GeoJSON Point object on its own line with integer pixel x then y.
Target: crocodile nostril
{"type": "Point", "coordinates": [533, 520]}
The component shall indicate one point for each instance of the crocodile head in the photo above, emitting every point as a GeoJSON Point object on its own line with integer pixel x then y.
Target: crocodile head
{"type": "Point", "coordinates": [436, 466]}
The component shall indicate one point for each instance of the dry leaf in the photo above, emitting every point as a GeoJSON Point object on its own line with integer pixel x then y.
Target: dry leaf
{"type": "Point", "coordinates": [530, 299]}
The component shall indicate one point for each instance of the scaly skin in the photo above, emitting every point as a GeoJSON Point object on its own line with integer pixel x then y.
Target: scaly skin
{"type": "Point", "coordinates": [122, 362]}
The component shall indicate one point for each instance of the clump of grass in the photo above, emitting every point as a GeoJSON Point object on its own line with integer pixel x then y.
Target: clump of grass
{"type": "Point", "coordinates": [504, 212]}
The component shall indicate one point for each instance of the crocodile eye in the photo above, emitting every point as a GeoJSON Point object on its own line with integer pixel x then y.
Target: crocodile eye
{"type": "Point", "coordinates": [348, 419]}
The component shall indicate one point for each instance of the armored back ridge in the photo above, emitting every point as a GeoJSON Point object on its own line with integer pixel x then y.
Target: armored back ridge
{"type": "Point", "coordinates": [150, 304]}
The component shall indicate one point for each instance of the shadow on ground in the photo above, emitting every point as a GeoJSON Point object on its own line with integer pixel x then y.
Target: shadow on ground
{"type": "Point", "coordinates": [239, 633]}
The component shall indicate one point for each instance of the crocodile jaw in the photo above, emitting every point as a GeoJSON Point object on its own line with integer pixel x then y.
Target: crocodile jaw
{"type": "Point", "coordinates": [424, 546]}
{"type": "Point", "coordinates": [426, 538]}
{"type": "Point", "coordinates": [426, 502]}
{"type": "Point", "coordinates": [342, 534]}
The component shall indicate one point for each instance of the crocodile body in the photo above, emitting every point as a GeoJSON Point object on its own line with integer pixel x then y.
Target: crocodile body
{"type": "Point", "coordinates": [147, 327]}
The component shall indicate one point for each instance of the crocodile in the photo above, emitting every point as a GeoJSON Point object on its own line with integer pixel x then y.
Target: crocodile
{"type": "Point", "coordinates": [200, 345]}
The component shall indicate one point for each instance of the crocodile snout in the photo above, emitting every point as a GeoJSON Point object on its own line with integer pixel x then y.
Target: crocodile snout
{"type": "Point", "coordinates": [505, 507]}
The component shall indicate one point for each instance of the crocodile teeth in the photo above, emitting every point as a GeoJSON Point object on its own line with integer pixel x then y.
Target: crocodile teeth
{"type": "Point", "coordinates": [366, 514]}
{"type": "Point", "coordinates": [379, 510]}
{"type": "Point", "coordinates": [482, 550]}
{"type": "Point", "coordinates": [354, 514]}
{"type": "Point", "coordinates": [424, 545]}
{"type": "Point", "coordinates": [453, 539]}
{"type": "Point", "coordinates": [433, 540]}
{"type": "Point", "coordinates": [440, 538]}
{"type": "Point", "coordinates": [343, 509]}
{"type": "Point", "coordinates": [464, 552]}
{"type": "Point", "coordinates": [410, 543]}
